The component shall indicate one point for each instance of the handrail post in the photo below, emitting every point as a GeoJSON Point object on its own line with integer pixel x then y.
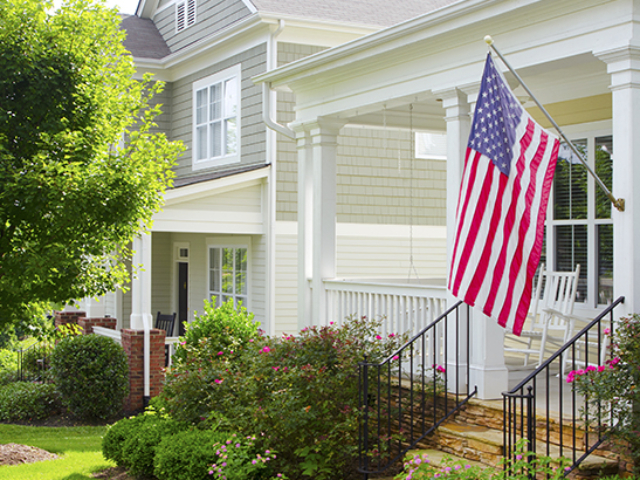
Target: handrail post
{"type": "Point", "coordinates": [531, 430]}
{"type": "Point", "coordinates": [365, 409]}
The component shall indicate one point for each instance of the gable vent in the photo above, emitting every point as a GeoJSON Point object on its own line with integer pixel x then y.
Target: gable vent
{"type": "Point", "coordinates": [185, 14]}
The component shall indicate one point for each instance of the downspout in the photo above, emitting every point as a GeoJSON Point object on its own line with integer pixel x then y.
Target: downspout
{"type": "Point", "coordinates": [266, 92]}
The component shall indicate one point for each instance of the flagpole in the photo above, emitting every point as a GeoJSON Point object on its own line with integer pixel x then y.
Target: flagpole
{"type": "Point", "coordinates": [617, 202]}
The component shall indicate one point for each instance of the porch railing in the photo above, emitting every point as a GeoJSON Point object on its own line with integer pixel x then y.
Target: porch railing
{"type": "Point", "coordinates": [403, 399]}
{"type": "Point", "coordinates": [401, 306]}
{"type": "Point", "coordinates": [557, 429]}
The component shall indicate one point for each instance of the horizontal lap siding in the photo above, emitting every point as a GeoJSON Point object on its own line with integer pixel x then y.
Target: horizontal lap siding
{"type": "Point", "coordinates": [253, 130]}
{"type": "Point", "coordinates": [369, 255]}
{"type": "Point", "coordinates": [286, 288]}
{"type": "Point", "coordinates": [211, 16]}
{"type": "Point", "coordinates": [259, 278]}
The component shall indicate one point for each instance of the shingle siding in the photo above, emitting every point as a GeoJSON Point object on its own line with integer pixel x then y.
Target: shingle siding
{"type": "Point", "coordinates": [377, 183]}
{"type": "Point", "coordinates": [211, 16]}
{"type": "Point", "coordinates": [253, 130]}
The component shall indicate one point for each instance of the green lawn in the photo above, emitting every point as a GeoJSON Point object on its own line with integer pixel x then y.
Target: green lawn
{"type": "Point", "coordinates": [79, 447]}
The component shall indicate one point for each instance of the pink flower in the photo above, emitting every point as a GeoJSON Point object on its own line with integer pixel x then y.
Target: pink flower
{"type": "Point", "coordinates": [391, 335]}
{"type": "Point", "coordinates": [591, 368]}
{"type": "Point", "coordinates": [331, 323]}
{"type": "Point", "coordinates": [218, 380]}
{"type": "Point", "coordinates": [378, 337]}
{"type": "Point", "coordinates": [276, 368]}
{"type": "Point", "coordinates": [265, 350]}
{"type": "Point", "coordinates": [251, 340]}
{"type": "Point", "coordinates": [395, 357]}
{"type": "Point", "coordinates": [183, 343]}
{"type": "Point", "coordinates": [220, 353]}
{"type": "Point", "coordinates": [580, 372]}
{"type": "Point", "coordinates": [607, 331]}
{"type": "Point", "coordinates": [601, 368]}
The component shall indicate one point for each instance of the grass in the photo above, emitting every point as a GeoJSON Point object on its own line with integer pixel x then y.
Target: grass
{"type": "Point", "coordinates": [79, 447]}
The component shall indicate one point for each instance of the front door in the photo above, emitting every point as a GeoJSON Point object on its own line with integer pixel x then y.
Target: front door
{"type": "Point", "coordinates": [183, 290]}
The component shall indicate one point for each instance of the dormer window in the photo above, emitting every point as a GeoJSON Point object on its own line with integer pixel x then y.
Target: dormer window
{"type": "Point", "coordinates": [185, 14]}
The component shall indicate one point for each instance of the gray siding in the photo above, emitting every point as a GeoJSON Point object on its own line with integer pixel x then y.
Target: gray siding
{"type": "Point", "coordinates": [161, 273]}
{"type": "Point", "coordinates": [253, 132]}
{"type": "Point", "coordinates": [211, 16]}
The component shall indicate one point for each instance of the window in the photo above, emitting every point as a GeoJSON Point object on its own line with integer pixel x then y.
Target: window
{"type": "Point", "coordinates": [580, 229]}
{"type": "Point", "coordinates": [432, 146]}
{"type": "Point", "coordinates": [216, 119]}
{"type": "Point", "coordinates": [228, 274]}
{"type": "Point", "coordinates": [185, 14]}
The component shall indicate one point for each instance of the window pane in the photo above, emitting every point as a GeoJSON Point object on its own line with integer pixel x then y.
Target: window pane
{"type": "Point", "coordinates": [604, 170]}
{"type": "Point", "coordinates": [605, 264]}
{"type": "Point", "coordinates": [216, 102]}
{"type": "Point", "coordinates": [201, 143]}
{"type": "Point", "coordinates": [230, 98]}
{"type": "Point", "coordinates": [227, 270]}
{"type": "Point", "coordinates": [214, 270]}
{"type": "Point", "coordinates": [231, 134]}
{"type": "Point", "coordinates": [571, 250]}
{"type": "Point", "coordinates": [241, 283]}
{"type": "Point", "coordinates": [216, 135]}
{"type": "Point", "coordinates": [241, 259]}
{"type": "Point", "coordinates": [570, 184]}
{"type": "Point", "coordinates": [201, 106]}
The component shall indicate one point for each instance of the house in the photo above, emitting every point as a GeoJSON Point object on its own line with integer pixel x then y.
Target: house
{"type": "Point", "coordinates": [228, 228]}
{"type": "Point", "coordinates": [352, 215]}
{"type": "Point", "coordinates": [579, 57]}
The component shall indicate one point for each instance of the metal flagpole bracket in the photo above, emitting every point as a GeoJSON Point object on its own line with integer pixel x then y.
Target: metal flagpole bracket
{"type": "Point", "coordinates": [617, 202]}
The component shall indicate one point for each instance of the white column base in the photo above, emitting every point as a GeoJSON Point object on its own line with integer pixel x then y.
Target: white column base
{"type": "Point", "coordinates": [490, 381]}
{"type": "Point", "coordinates": [138, 321]}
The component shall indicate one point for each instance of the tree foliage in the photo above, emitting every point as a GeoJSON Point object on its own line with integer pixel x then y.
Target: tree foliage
{"type": "Point", "coordinates": [71, 196]}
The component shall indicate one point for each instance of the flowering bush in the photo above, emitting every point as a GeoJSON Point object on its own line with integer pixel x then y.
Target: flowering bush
{"type": "Point", "coordinates": [612, 397]}
{"type": "Point", "coordinates": [524, 466]}
{"type": "Point", "coordinates": [299, 392]}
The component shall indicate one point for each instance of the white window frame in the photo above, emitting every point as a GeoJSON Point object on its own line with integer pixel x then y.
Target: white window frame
{"type": "Point", "coordinates": [229, 77]}
{"type": "Point", "coordinates": [230, 243]}
{"type": "Point", "coordinates": [188, 10]}
{"type": "Point", "coordinates": [588, 132]}
{"type": "Point", "coordinates": [427, 156]}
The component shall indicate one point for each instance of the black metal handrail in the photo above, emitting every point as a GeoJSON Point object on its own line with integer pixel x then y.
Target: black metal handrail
{"type": "Point", "coordinates": [558, 420]}
{"type": "Point", "coordinates": [402, 399]}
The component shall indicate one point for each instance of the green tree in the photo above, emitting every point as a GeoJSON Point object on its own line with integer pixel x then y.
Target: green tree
{"type": "Point", "coordinates": [71, 200]}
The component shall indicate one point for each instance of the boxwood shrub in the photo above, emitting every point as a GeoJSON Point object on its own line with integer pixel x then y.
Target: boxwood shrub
{"type": "Point", "coordinates": [91, 374]}
{"type": "Point", "coordinates": [28, 401]}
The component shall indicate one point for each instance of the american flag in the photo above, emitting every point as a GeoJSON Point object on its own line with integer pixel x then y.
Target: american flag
{"type": "Point", "coordinates": [509, 166]}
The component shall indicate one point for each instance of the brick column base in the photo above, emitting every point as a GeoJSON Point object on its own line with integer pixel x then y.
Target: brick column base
{"type": "Point", "coordinates": [62, 318]}
{"type": "Point", "coordinates": [133, 344]}
{"type": "Point", "coordinates": [87, 324]}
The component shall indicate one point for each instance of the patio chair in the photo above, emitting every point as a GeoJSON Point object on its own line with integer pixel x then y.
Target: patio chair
{"type": "Point", "coordinates": [551, 320]}
{"type": "Point", "coordinates": [166, 322]}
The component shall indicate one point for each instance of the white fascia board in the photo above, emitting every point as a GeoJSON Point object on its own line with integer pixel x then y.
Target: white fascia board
{"type": "Point", "coordinates": [215, 186]}
{"type": "Point", "coordinates": [317, 32]}
{"type": "Point", "coordinates": [146, 8]}
{"type": "Point", "coordinates": [249, 4]}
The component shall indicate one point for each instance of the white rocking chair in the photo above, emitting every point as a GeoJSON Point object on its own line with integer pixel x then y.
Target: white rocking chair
{"type": "Point", "coordinates": [550, 320]}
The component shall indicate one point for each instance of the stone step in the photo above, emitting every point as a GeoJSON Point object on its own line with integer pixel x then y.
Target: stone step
{"type": "Point", "coordinates": [485, 445]}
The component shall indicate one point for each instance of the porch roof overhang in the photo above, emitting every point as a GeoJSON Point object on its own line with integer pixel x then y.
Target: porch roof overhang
{"type": "Point", "coordinates": [554, 46]}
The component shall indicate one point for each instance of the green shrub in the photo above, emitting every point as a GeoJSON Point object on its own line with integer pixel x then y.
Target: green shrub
{"type": "Point", "coordinates": [92, 375]}
{"type": "Point", "coordinates": [27, 401]}
{"type": "Point", "coordinates": [287, 389]}
{"type": "Point", "coordinates": [223, 329]}
{"type": "Point", "coordinates": [117, 434]}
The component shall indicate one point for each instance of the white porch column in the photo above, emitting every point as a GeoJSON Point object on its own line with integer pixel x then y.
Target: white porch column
{"type": "Point", "coordinates": [141, 283]}
{"type": "Point", "coordinates": [305, 211]}
{"type": "Point", "coordinates": [317, 152]}
{"type": "Point", "coordinates": [624, 66]}
{"type": "Point", "coordinates": [487, 368]}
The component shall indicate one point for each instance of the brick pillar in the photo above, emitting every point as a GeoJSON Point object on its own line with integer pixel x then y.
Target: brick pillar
{"type": "Point", "coordinates": [87, 324]}
{"type": "Point", "coordinates": [62, 318]}
{"type": "Point", "coordinates": [133, 344]}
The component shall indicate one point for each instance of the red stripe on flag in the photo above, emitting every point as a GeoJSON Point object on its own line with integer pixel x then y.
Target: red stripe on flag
{"type": "Point", "coordinates": [516, 262]}
{"type": "Point", "coordinates": [472, 178]}
{"type": "Point", "coordinates": [476, 221]}
{"type": "Point", "coordinates": [509, 221]}
{"type": "Point", "coordinates": [536, 252]}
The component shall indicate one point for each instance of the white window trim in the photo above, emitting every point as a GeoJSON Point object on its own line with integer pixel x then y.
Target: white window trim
{"type": "Point", "coordinates": [232, 242]}
{"type": "Point", "coordinates": [174, 275]}
{"type": "Point", "coordinates": [189, 20]}
{"type": "Point", "coordinates": [576, 132]}
{"type": "Point", "coordinates": [220, 77]}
